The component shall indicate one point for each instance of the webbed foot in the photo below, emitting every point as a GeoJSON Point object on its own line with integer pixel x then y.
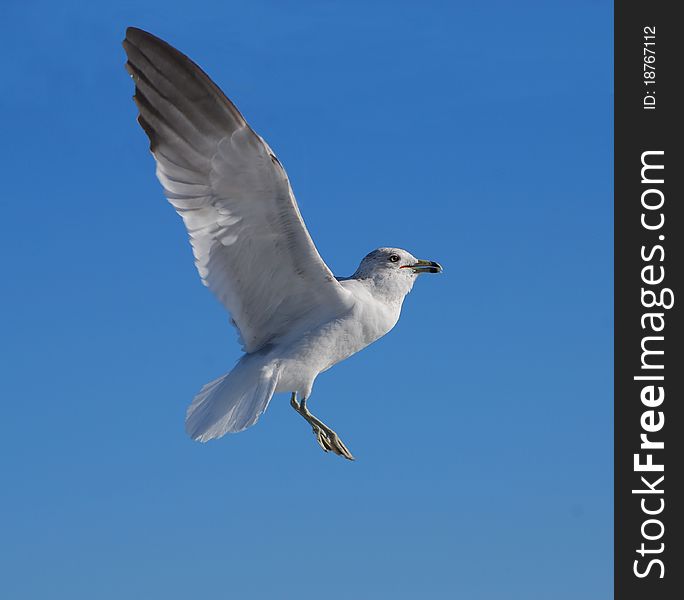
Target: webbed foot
{"type": "Point", "coordinates": [326, 437]}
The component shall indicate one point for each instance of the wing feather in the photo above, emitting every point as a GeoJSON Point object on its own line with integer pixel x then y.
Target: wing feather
{"type": "Point", "coordinates": [250, 243]}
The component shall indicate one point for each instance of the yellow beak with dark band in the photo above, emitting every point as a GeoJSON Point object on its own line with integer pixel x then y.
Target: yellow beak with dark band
{"type": "Point", "coordinates": [424, 266]}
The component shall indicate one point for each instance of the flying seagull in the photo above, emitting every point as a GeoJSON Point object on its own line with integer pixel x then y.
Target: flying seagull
{"type": "Point", "coordinates": [295, 319]}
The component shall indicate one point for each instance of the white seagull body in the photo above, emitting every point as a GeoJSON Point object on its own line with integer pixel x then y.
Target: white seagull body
{"type": "Point", "coordinates": [252, 249]}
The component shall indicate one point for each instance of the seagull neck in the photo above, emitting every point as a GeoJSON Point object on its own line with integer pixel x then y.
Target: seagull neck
{"type": "Point", "coordinates": [390, 290]}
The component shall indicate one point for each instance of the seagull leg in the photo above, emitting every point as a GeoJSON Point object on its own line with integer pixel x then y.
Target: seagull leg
{"type": "Point", "coordinates": [326, 437]}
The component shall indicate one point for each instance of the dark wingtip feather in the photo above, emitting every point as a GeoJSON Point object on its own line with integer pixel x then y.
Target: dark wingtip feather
{"type": "Point", "coordinates": [147, 128]}
{"type": "Point", "coordinates": [179, 68]}
{"type": "Point", "coordinates": [136, 37]}
{"type": "Point", "coordinates": [135, 32]}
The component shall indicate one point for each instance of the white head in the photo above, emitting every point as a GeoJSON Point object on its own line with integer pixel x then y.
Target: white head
{"type": "Point", "coordinates": [394, 270]}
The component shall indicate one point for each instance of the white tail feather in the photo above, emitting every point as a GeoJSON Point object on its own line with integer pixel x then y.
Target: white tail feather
{"type": "Point", "coordinates": [233, 402]}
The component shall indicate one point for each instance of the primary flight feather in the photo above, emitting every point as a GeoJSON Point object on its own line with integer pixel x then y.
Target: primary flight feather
{"type": "Point", "coordinates": [252, 249]}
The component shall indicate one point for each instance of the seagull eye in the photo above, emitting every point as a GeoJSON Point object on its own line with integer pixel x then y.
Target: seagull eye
{"type": "Point", "coordinates": [394, 258]}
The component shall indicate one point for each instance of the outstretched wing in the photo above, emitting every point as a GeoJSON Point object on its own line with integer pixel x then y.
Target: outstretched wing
{"type": "Point", "coordinates": [250, 243]}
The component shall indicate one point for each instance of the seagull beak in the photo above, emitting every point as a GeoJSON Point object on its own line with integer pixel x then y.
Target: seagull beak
{"type": "Point", "coordinates": [424, 266]}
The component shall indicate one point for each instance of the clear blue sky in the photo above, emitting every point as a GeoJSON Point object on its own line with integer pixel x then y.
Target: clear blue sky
{"type": "Point", "coordinates": [478, 134]}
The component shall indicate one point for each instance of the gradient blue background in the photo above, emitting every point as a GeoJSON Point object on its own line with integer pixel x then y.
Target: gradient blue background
{"type": "Point", "coordinates": [476, 134]}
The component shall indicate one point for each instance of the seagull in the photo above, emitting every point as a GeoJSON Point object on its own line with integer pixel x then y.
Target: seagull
{"type": "Point", "coordinates": [294, 318]}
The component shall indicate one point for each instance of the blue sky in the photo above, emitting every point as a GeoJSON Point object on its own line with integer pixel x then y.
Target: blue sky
{"type": "Point", "coordinates": [475, 134]}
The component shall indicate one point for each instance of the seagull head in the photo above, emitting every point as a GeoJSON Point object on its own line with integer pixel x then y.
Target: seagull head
{"type": "Point", "coordinates": [394, 268]}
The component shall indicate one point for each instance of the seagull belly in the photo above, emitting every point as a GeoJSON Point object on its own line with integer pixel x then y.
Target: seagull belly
{"type": "Point", "coordinates": [324, 346]}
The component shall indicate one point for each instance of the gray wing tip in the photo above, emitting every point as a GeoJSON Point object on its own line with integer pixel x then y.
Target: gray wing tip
{"type": "Point", "coordinates": [135, 35]}
{"type": "Point", "coordinates": [141, 41]}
